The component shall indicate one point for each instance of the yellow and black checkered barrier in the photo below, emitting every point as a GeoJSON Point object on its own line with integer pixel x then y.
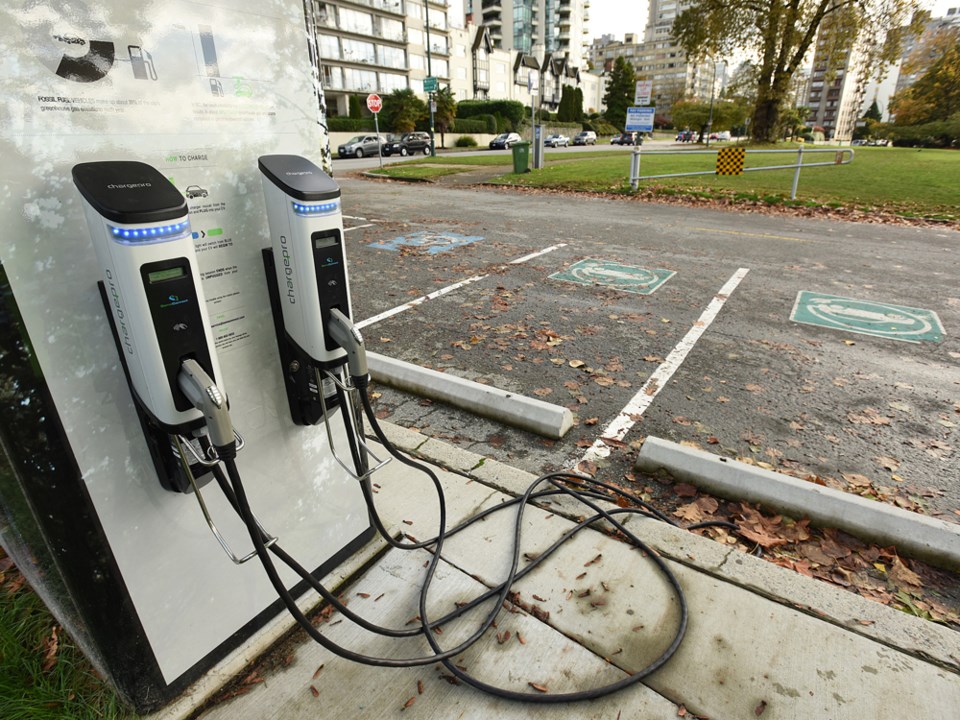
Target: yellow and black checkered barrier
{"type": "Point", "coordinates": [730, 160]}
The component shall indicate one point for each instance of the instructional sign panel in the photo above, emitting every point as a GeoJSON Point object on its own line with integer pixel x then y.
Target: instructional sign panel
{"type": "Point", "coordinates": [626, 278]}
{"type": "Point", "coordinates": [865, 317]}
{"type": "Point", "coordinates": [640, 119]}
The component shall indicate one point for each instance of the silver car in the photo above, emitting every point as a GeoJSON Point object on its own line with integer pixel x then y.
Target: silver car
{"type": "Point", "coordinates": [360, 145]}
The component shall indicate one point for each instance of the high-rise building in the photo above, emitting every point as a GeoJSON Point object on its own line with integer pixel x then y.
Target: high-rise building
{"type": "Point", "coordinates": [536, 27]}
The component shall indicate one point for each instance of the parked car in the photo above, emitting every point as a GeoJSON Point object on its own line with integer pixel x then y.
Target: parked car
{"type": "Point", "coordinates": [556, 141]}
{"type": "Point", "coordinates": [504, 141]}
{"type": "Point", "coordinates": [360, 145]}
{"type": "Point", "coordinates": [408, 144]}
{"type": "Point", "coordinates": [585, 137]}
{"type": "Point", "coordinates": [627, 138]}
{"type": "Point", "coordinates": [686, 136]}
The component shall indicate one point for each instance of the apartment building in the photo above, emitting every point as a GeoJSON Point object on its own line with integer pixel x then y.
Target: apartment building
{"type": "Point", "coordinates": [558, 27]}
{"type": "Point", "coordinates": [368, 46]}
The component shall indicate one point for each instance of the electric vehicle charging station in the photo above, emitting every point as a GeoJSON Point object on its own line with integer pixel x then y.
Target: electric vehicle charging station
{"type": "Point", "coordinates": [94, 505]}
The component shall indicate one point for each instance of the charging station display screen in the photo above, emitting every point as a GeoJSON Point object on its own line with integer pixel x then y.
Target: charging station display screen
{"type": "Point", "coordinates": [161, 275]}
{"type": "Point", "coordinates": [320, 242]}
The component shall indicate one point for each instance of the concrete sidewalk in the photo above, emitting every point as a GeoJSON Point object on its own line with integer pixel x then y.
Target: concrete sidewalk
{"type": "Point", "coordinates": [762, 641]}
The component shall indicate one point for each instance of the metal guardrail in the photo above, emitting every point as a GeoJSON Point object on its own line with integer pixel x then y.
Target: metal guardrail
{"type": "Point", "coordinates": [635, 176]}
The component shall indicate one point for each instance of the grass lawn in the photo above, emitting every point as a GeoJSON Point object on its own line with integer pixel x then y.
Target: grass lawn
{"type": "Point", "coordinates": [43, 676]}
{"type": "Point", "coordinates": [904, 181]}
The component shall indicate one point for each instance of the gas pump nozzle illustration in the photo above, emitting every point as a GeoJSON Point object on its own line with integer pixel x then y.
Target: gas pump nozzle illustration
{"type": "Point", "coordinates": [151, 289]}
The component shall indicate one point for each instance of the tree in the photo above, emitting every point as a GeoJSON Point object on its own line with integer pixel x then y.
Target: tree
{"type": "Point", "coordinates": [402, 110]}
{"type": "Point", "coordinates": [577, 104]}
{"type": "Point", "coordinates": [781, 32]}
{"type": "Point", "coordinates": [446, 111]}
{"type": "Point", "coordinates": [936, 94]}
{"type": "Point", "coordinates": [874, 112]}
{"type": "Point", "coordinates": [620, 92]}
{"type": "Point", "coordinates": [565, 111]}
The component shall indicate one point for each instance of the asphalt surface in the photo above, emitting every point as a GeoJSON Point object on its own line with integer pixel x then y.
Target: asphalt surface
{"type": "Point", "coordinates": [867, 414]}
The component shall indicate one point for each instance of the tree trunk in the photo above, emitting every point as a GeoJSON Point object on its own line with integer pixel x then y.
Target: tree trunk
{"type": "Point", "coordinates": [766, 120]}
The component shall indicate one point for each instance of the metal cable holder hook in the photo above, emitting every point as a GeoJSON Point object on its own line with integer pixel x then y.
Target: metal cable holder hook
{"type": "Point", "coordinates": [350, 391]}
{"type": "Point", "coordinates": [180, 443]}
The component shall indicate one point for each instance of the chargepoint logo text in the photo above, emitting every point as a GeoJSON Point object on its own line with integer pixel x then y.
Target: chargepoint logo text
{"type": "Point", "coordinates": [129, 186]}
{"type": "Point", "coordinates": [288, 270]}
{"type": "Point", "coordinates": [122, 330]}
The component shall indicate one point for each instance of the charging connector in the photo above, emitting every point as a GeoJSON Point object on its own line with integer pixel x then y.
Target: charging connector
{"type": "Point", "coordinates": [206, 397]}
{"type": "Point", "coordinates": [349, 338]}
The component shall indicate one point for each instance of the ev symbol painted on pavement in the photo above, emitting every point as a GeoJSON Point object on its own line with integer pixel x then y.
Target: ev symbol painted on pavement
{"type": "Point", "coordinates": [896, 322]}
{"type": "Point", "coordinates": [627, 278]}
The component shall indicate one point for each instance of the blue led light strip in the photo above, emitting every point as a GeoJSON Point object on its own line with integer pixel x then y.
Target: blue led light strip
{"type": "Point", "coordinates": [315, 210]}
{"type": "Point", "coordinates": [130, 236]}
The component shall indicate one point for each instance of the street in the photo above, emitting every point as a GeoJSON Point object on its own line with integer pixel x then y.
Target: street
{"type": "Point", "coordinates": [859, 388]}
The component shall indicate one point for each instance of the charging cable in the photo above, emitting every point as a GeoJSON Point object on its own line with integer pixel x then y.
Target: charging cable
{"type": "Point", "coordinates": [205, 396]}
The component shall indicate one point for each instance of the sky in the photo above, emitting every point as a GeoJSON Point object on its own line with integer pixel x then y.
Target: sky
{"type": "Point", "coordinates": [616, 17]}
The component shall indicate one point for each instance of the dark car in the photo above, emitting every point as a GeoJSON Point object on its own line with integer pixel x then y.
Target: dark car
{"type": "Point", "coordinates": [627, 138]}
{"type": "Point", "coordinates": [504, 141]}
{"type": "Point", "coordinates": [408, 144]}
{"type": "Point", "coordinates": [685, 136]}
{"type": "Point", "coordinates": [195, 191]}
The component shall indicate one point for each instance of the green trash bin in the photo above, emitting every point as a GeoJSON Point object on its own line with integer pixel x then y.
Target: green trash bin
{"type": "Point", "coordinates": [521, 157]}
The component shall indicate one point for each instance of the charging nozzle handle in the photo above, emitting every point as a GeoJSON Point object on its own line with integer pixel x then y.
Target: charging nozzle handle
{"type": "Point", "coordinates": [349, 338]}
{"type": "Point", "coordinates": [207, 398]}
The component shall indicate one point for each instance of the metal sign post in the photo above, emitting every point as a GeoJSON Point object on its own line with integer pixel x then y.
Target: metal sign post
{"type": "Point", "coordinates": [639, 119]}
{"type": "Point", "coordinates": [374, 105]}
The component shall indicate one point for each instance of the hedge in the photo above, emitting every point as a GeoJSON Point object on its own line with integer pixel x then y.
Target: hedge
{"type": "Point", "coordinates": [940, 134]}
{"type": "Point", "coordinates": [512, 111]}
{"type": "Point", "coordinates": [477, 125]}
{"type": "Point", "coordinates": [345, 124]}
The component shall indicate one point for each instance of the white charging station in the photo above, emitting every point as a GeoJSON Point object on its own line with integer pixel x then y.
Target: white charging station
{"type": "Point", "coordinates": [173, 103]}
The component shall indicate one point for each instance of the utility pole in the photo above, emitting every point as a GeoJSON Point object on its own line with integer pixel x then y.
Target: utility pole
{"type": "Point", "coordinates": [426, 9]}
{"type": "Point", "coordinates": [713, 91]}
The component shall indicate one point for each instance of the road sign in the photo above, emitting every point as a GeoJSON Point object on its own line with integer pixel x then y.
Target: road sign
{"type": "Point", "coordinates": [643, 92]}
{"type": "Point", "coordinates": [640, 119]}
{"type": "Point", "coordinates": [896, 322]}
{"type": "Point", "coordinates": [533, 81]}
{"type": "Point", "coordinates": [429, 84]}
{"type": "Point", "coordinates": [374, 103]}
{"type": "Point", "coordinates": [627, 278]}
{"type": "Point", "coordinates": [730, 160]}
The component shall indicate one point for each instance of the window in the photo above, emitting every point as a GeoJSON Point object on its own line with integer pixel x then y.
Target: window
{"type": "Point", "coordinates": [357, 22]}
{"type": "Point", "coordinates": [358, 51]}
{"type": "Point", "coordinates": [390, 82]}
{"type": "Point", "coordinates": [392, 57]}
{"type": "Point", "coordinates": [414, 10]}
{"type": "Point", "coordinates": [439, 68]}
{"type": "Point", "coordinates": [363, 80]}
{"type": "Point", "coordinates": [417, 62]}
{"type": "Point", "coordinates": [329, 47]}
{"type": "Point", "coordinates": [391, 29]}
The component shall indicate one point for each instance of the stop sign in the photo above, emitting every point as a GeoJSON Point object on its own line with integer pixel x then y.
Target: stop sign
{"type": "Point", "coordinates": [374, 103]}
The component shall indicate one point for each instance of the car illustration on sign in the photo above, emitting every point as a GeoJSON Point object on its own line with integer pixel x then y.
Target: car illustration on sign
{"type": "Point", "coordinates": [195, 191]}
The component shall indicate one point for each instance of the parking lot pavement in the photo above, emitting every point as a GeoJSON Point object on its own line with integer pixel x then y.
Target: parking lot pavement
{"type": "Point", "coordinates": [834, 354]}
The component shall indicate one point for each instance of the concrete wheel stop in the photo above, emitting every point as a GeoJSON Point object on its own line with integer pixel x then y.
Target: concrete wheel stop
{"type": "Point", "coordinates": [519, 411]}
{"type": "Point", "coordinates": [919, 536]}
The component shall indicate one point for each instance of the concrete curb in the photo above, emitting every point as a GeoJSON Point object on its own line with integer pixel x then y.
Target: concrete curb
{"type": "Point", "coordinates": [378, 176]}
{"type": "Point", "coordinates": [916, 535]}
{"type": "Point", "coordinates": [544, 419]}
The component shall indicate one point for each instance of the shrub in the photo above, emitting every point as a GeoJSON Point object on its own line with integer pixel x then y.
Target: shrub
{"type": "Point", "coordinates": [511, 112]}
{"type": "Point", "coordinates": [466, 141]}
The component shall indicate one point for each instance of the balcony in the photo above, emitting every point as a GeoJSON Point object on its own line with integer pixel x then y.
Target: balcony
{"type": "Point", "coordinates": [439, 50]}
{"type": "Point", "coordinates": [394, 7]}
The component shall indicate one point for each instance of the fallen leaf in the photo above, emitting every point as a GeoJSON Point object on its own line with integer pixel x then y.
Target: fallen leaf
{"type": "Point", "coordinates": [576, 363]}
{"type": "Point", "coordinates": [591, 421]}
{"type": "Point", "coordinates": [713, 440]}
{"type": "Point", "coordinates": [542, 392]}
{"type": "Point", "coordinates": [538, 687]}
{"type": "Point", "coordinates": [685, 490]}
{"type": "Point", "coordinates": [901, 575]}
{"type": "Point", "coordinates": [758, 710]}
{"type": "Point", "coordinates": [51, 645]}
{"type": "Point", "coordinates": [888, 463]}
{"type": "Point", "coordinates": [751, 387]}
{"type": "Point", "coordinates": [314, 691]}
{"type": "Point", "coordinates": [845, 342]}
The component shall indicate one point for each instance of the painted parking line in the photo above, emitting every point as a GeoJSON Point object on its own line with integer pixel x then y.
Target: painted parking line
{"type": "Point", "coordinates": [625, 278]}
{"type": "Point", "coordinates": [754, 235]}
{"type": "Point", "coordinates": [357, 227]}
{"type": "Point", "coordinates": [631, 414]}
{"type": "Point", "coordinates": [448, 289]}
{"type": "Point", "coordinates": [865, 317]}
{"type": "Point", "coordinates": [354, 217]}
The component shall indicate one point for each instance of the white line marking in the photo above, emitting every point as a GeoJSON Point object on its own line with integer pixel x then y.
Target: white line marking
{"type": "Point", "coordinates": [448, 289]}
{"type": "Point", "coordinates": [354, 217]}
{"type": "Point", "coordinates": [357, 227]}
{"type": "Point", "coordinates": [629, 416]}
{"type": "Point", "coordinates": [413, 303]}
{"type": "Point", "coordinates": [531, 256]}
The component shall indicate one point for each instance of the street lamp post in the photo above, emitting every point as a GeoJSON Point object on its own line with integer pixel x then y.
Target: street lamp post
{"type": "Point", "coordinates": [713, 90]}
{"type": "Point", "coordinates": [426, 10]}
